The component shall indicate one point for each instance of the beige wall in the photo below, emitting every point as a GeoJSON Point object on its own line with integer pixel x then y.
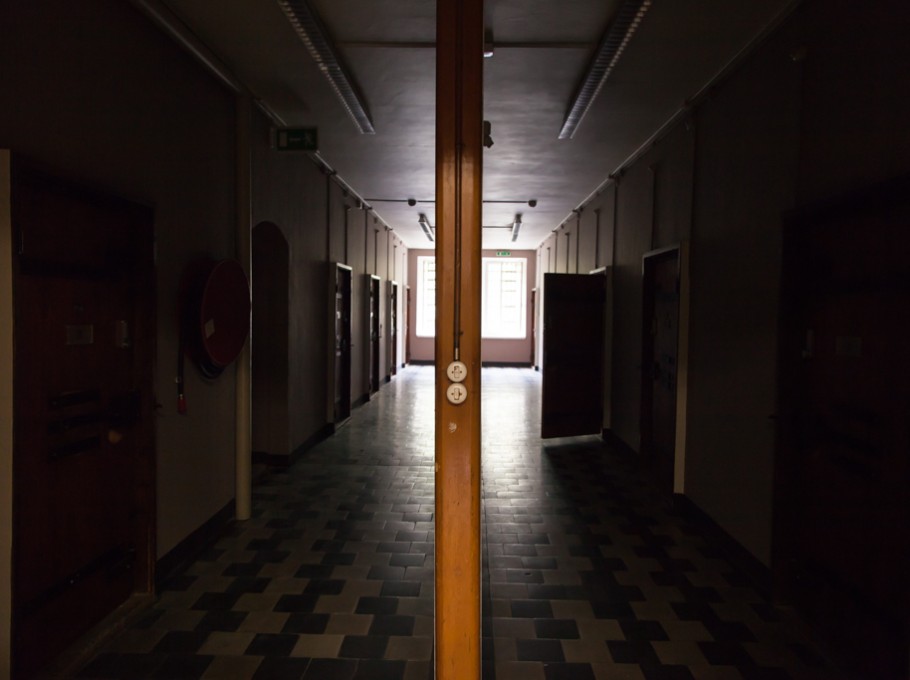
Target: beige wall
{"type": "Point", "coordinates": [6, 412]}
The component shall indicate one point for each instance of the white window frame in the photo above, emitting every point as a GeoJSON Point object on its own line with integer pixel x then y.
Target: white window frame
{"type": "Point", "coordinates": [426, 299]}
{"type": "Point", "coordinates": [493, 311]}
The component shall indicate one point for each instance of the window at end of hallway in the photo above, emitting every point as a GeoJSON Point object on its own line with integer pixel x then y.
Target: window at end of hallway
{"type": "Point", "coordinates": [504, 298]}
{"type": "Point", "coordinates": [426, 296]}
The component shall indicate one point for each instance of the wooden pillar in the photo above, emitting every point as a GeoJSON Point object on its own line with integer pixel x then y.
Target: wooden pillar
{"type": "Point", "coordinates": [459, 161]}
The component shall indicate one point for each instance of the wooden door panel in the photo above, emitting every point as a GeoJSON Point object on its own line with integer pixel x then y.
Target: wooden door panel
{"type": "Point", "coordinates": [573, 355]}
{"type": "Point", "coordinates": [842, 531]}
{"type": "Point", "coordinates": [83, 458]}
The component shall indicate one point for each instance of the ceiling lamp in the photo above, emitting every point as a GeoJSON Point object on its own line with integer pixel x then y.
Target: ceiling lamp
{"type": "Point", "coordinates": [317, 40]}
{"type": "Point", "coordinates": [516, 225]}
{"type": "Point", "coordinates": [612, 45]}
{"type": "Point", "coordinates": [425, 226]}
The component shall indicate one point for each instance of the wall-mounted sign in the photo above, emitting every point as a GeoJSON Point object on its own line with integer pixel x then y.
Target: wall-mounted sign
{"type": "Point", "coordinates": [297, 139]}
{"type": "Point", "coordinates": [503, 253]}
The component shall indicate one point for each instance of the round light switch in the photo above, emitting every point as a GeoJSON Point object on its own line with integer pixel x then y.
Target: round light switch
{"type": "Point", "coordinates": [456, 393]}
{"type": "Point", "coordinates": [457, 371]}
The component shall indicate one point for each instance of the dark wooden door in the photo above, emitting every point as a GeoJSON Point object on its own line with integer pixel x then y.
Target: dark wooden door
{"type": "Point", "coordinates": [342, 314]}
{"type": "Point", "coordinates": [393, 328]}
{"type": "Point", "coordinates": [83, 459]}
{"type": "Point", "coordinates": [573, 307]}
{"type": "Point", "coordinates": [660, 341]}
{"type": "Point", "coordinates": [375, 333]}
{"type": "Point", "coordinates": [843, 524]}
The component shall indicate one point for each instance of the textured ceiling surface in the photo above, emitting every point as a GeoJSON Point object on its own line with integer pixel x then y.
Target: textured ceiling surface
{"type": "Point", "coordinates": [541, 51]}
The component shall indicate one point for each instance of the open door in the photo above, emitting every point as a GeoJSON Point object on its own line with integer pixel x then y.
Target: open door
{"type": "Point", "coordinates": [573, 345]}
{"type": "Point", "coordinates": [84, 457]}
{"type": "Point", "coordinates": [842, 546]}
{"type": "Point", "coordinates": [660, 362]}
{"type": "Point", "coordinates": [340, 344]}
{"type": "Point", "coordinates": [375, 330]}
{"type": "Point", "coordinates": [393, 327]}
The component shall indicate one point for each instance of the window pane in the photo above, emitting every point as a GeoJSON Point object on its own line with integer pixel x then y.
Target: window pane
{"type": "Point", "coordinates": [426, 296]}
{"type": "Point", "coordinates": [503, 298]}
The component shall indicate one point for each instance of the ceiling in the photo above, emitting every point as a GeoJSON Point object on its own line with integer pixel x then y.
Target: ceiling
{"type": "Point", "coordinates": [541, 52]}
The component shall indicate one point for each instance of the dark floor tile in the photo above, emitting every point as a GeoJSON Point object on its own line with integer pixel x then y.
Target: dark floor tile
{"type": "Point", "coordinates": [562, 629]}
{"type": "Point", "coordinates": [523, 576]}
{"type": "Point", "coordinates": [281, 668]}
{"type": "Point", "coordinates": [380, 670]}
{"type": "Point", "coordinates": [725, 654]}
{"type": "Point", "coordinates": [324, 586]}
{"type": "Point", "coordinates": [393, 624]}
{"type": "Point", "coordinates": [729, 631]}
{"type": "Point", "coordinates": [181, 667]}
{"type": "Point", "coordinates": [180, 583]}
{"type": "Point", "coordinates": [532, 609]}
{"type": "Point", "coordinates": [632, 651]}
{"type": "Point", "coordinates": [223, 621]}
{"type": "Point", "coordinates": [309, 624]}
{"type": "Point", "coordinates": [339, 559]}
{"type": "Point", "coordinates": [243, 569]}
{"type": "Point", "coordinates": [400, 589]}
{"type": "Point", "coordinates": [661, 672]}
{"type": "Point", "coordinates": [408, 560]}
{"type": "Point", "coordinates": [568, 671]}
{"type": "Point", "coordinates": [296, 603]}
{"type": "Point", "coordinates": [363, 646]}
{"type": "Point", "coordinates": [394, 547]}
{"type": "Point", "coordinates": [181, 642]}
{"type": "Point", "coordinates": [539, 563]}
{"type": "Point", "coordinates": [216, 601]}
{"type": "Point", "coordinates": [377, 573]}
{"type": "Point", "coordinates": [539, 650]}
{"type": "Point", "coordinates": [643, 630]}
{"type": "Point", "coordinates": [271, 644]}
{"type": "Point", "coordinates": [314, 571]}
{"type": "Point", "coordinates": [377, 605]}
{"type": "Point", "coordinates": [612, 610]}
{"type": "Point", "coordinates": [121, 666]}
{"type": "Point", "coordinates": [248, 584]}
{"type": "Point", "coordinates": [331, 669]}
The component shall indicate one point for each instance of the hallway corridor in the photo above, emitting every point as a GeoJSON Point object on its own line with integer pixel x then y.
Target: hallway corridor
{"type": "Point", "coordinates": [588, 572]}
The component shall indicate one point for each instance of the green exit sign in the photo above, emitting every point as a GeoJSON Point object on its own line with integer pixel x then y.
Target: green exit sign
{"type": "Point", "coordinates": [503, 253]}
{"type": "Point", "coordinates": [297, 139]}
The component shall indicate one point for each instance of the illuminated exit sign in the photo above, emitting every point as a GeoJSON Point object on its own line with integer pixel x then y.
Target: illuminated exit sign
{"type": "Point", "coordinates": [298, 139]}
{"type": "Point", "coordinates": [503, 253]}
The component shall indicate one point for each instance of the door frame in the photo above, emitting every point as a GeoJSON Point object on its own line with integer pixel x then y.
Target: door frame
{"type": "Point", "coordinates": [373, 345]}
{"type": "Point", "coordinates": [682, 250]}
{"type": "Point", "coordinates": [393, 308]}
{"type": "Point", "coordinates": [331, 368]}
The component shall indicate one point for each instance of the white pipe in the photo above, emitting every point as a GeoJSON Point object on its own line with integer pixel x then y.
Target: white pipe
{"type": "Point", "coordinates": [243, 390]}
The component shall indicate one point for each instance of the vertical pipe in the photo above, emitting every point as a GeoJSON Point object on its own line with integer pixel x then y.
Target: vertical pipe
{"type": "Point", "coordinates": [577, 238]}
{"type": "Point", "coordinates": [597, 238]}
{"type": "Point", "coordinates": [459, 163]}
{"type": "Point", "coordinates": [6, 416]}
{"type": "Point", "coordinates": [242, 411]}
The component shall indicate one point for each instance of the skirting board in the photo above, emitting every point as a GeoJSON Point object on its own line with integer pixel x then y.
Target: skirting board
{"type": "Point", "coordinates": [186, 552]}
{"type": "Point", "coordinates": [739, 557]}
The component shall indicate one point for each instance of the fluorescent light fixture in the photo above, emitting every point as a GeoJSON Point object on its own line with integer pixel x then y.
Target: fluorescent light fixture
{"type": "Point", "coordinates": [612, 45]}
{"type": "Point", "coordinates": [516, 225]}
{"type": "Point", "coordinates": [314, 35]}
{"type": "Point", "coordinates": [425, 226]}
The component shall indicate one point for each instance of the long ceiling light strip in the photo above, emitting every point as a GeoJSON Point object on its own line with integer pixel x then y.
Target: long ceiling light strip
{"type": "Point", "coordinates": [612, 45]}
{"type": "Point", "coordinates": [516, 226]}
{"type": "Point", "coordinates": [316, 38]}
{"type": "Point", "coordinates": [425, 226]}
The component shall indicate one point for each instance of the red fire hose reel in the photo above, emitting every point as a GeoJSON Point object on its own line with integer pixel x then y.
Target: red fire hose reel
{"type": "Point", "coordinates": [214, 310]}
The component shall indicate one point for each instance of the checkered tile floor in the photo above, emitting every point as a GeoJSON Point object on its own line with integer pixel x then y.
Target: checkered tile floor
{"type": "Point", "coordinates": [588, 573]}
